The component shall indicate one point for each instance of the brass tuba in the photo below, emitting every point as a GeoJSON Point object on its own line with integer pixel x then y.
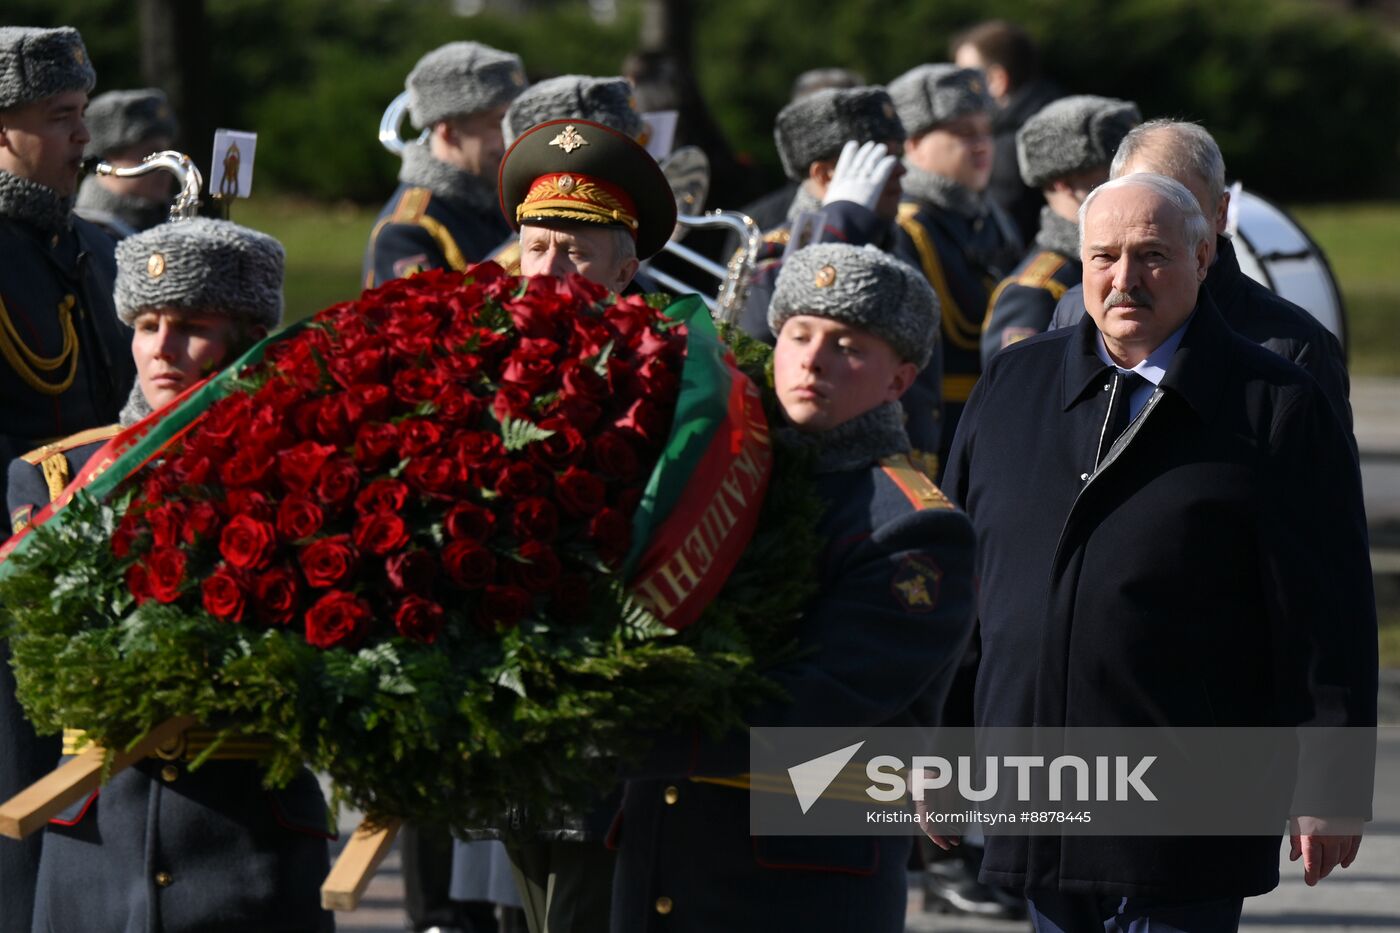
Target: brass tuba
{"type": "Point", "coordinates": [187, 175]}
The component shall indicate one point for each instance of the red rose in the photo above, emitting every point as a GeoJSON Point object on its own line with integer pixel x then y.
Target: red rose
{"type": "Point", "coordinates": [581, 381]}
{"type": "Point", "coordinates": [337, 482]}
{"type": "Point", "coordinates": [563, 448]}
{"type": "Point", "coordinates": [365, 365]}
{"type": "Point", "coordinates": [535, 518]}
{"type": "Point", "coordinates": [247, 467]}
{"type": "Point", "coordinates": [622, 381]}
{"type": "Point", "coordinates": [473, 447]}
{"type": "Point", "coordinates": [411, 571]}
{"type": "Point", "coordinates": [201, 521]}
{"type": "Point", "coordinates": [533, 317]}
{"type": "Point", "coordinates": [465, 520]}
{"type": "Point", "coordinates": [467, 564]}
{"type": "Point", "coordinates": [419, 619]}
{"type": "Point", "coordinates": [504, 606]}
{"type": "Point", "coordinates": [614, 456]}
{"type": "Point", "coordinates": [247, 543]}
{"type": "Point", "coordinates": [374, 401]}
{"type": "Point", "coordinates": [659, 380]}
{"type": "Point", "coordinates": [419, 435]}
{"type": "Point", "coordinates": [298, 466]}
{"type": "Point", "coordinates": [531, 366]}
{"type": "Point", "coordinates": [646, 420]}
{"type": "Point", "coordinates": [328, 561]}
{"type": "Point", "coordinates": [537, 568]}
{"type": "Point", "coordinates": [436, 476]}
{"type": "Point", "coordinates": [579, 412]}
{"type": "Point", "coordinates": [380, 533]}
{"type": "Point", "coordinates": [336, 419]}
{"type": "Point", "coordinates": [167, 524]}
{"type": "Point", "coordinates": [264, 430]}
{"type": "Point", "coordinates": [382, 495]}
{"type": "Point", "coordinates": [298, 517]}
{"type": "Point", "coordinates": [165, 568]}
{"type": "Point", "coordinates": [276, 592]}
{"type": "Point", "coordinates": [418, 385]}
{"type": "Point", "coordinates": [375, 443]}
{"type": "Point", "coordinates": [124, 537]}
{"type": "Point", "coordinates": [138, 581]}
{"type": "Point", "coordinates": [520, 480]}
{"type": "Point", "coordinates": [337, 618]}
{"type": "Point", "coordinates": [511, 402]}
{"type": "Point", "coordinates": [459, 407]}
{"type": "Point", "coordinates": [193, 469]}
{"type": "Point", "coordinates": [577, 289]}
{"type": "Point", "coordinates": [611, 535]}
{"type": "Point", "coordinates": [580, 493]}
{"type": "Point", "coordinates": [222, 596]}
{"type": "Point", "coordinates": [248, 502]}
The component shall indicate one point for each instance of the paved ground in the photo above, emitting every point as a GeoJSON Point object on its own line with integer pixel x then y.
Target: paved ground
{"type": "Point", "coordinates": [1364, 898]}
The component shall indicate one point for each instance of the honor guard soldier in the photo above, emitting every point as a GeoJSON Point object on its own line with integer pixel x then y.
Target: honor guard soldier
{"type": "Point", "coordinates": [964, 243]}
{"type": "Point", "coordinates": [1064, 152]}
{"type": "Point", "coordinates": [127, 126]}
{"type": "Point", "coordinates": [876, 646]}
{"type": "Point", "coordinates": [163, 847]}
{"type": "Point", "coordinates": [64, 362]}
{"type": "Point", "coordinates": [443, 215]}
{"type": "Point", "coordinates": [1188, 153]}
{"type": "Point", "coordinates": [840, 145]}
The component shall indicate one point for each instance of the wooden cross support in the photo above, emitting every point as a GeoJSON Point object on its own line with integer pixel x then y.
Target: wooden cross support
{"type": "Point", "coordinates": [351, 873]}
{"type": "Point", "coordinates": [33, 807]}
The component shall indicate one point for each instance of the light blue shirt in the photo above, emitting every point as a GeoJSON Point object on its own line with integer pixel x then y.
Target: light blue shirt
{"type": "Point", "coordinates": [1153, 369]}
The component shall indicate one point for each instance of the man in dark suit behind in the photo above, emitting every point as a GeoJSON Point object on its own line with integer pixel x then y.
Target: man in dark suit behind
{"type": "Point", "coordinates": [1147, 466]}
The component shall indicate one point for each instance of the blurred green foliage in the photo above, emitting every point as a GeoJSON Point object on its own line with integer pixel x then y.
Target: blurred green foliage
{"type": "Point", "coordinates": [1304, 99]}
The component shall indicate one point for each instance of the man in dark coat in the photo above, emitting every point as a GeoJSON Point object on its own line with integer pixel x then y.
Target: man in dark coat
{"type": "Point", "coordinates": [443, 215]}
{"type": "Point", "coordinates": [841, 146]}
{"type": "Point", "coordinates": [876, 646]}
{"type": "Point", "coordinates": [1064, 151]}
{"type": "Point", "coordinates": [1007, 55]}
{"type": "Point", "coordinates": [960, 238]}
{"type": "Point", "coordinates": [1189, 154]}
{"type": "Point", "coordinates": [65, 364]}
{"type": "Point", "coordinates": [1145, 558]}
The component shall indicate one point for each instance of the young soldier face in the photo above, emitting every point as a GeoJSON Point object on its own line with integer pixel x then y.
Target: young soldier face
{"type": "Point", "coordinates": [175, 349]}
{"type": "Point", "coordinates": [826, 373]}
{"type": "Point", "coordinates": [1141, 274]}
{"type": "Point", "coordinates": [473, 144]}
{"type": "Point", "coordinates": [590, 251]}
{"type": "Point", "coordinates": [43, 141]}
{"type": "Point", "coordinates": [960, 149]}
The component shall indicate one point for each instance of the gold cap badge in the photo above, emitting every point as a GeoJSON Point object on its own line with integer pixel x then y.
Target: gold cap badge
{"type": "Point", "coordinates": [826, 276]}
{"type": "Point", "coordinates": [569, 140]}
{"type": "Point", "coordinates": [79, 57]}
{"type": "Point", "coordinates": [155, 266]}
{"type": "Point", "coordinates": [566, 183]}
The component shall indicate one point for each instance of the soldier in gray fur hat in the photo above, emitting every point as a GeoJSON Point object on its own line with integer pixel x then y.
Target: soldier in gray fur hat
{"type": "Point", "coordinates": [853, 327]}
{"type": "Point", "coordinates": [167, 847]}
{"type": "Point", "coordinates": [1064, 151]}
{"type": "Point", "coordinates": [958, 236]}
{"type": "Point", "coordinates": [127, 126]}
{"type": "Point", "coordinates": [609, 101]}
{"type": "Point", "coordinates": [444, 213]}
{"type": "Point", "coordinates": [65, 364]}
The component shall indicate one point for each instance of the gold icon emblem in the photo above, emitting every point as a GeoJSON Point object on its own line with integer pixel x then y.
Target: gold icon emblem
{"type": "Point", "coordinates": [79, 57]}
{"type": "Point", "coordinates": [826, 276]}
{"type": "Point", "coordinates": [566, 184]}
{"type": "Point", "coordinates": [915, 591]}
{"type": "Point", "coordinates": [155, 266]}
{"type": "Point", "coordinates": [517, 78]}
{"type": "Point", "coordinates": [569, 140]}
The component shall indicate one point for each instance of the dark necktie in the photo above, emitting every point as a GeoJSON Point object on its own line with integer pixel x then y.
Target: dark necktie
{"type": "Point", "coordinates": [1120, 395]}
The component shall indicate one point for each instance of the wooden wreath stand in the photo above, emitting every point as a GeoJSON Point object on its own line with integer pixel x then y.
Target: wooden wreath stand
{"type": "Point", "coordinates": [32, 808]}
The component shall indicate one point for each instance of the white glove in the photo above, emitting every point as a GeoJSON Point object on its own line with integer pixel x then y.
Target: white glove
{"type": "Point", "coordinates": [860, 175]}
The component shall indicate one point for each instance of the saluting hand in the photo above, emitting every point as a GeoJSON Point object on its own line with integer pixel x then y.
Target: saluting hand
{"type": "Point", "coordinates": [861, 174]}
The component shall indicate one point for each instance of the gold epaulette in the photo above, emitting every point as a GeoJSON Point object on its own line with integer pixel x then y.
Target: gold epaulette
{"type": "Point", "coordinates": [1041, 273]}
{"type": "Point", "coordinates": [53, 464]}
{"type": "Point", "coordinates": [779, 237]}
{"type": "Point", "coordinates": [412, 208]}
{"type": "Point", "coordinates": [958, 329]}
{"type": "Point", "coordinates": [921, 491]}
{"type": "Point", "coordinates": [413, 204]}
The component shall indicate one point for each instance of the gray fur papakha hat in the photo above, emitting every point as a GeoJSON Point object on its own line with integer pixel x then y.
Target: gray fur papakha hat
{"type": "Point", "coordinates": [1072, 134]}
{"type": "Point", "coordinates": [118, 119]}
{"type": "Point", "coordinates": [815, 127]}
{"type": "Point", "coordinates": [460, 79]}
{"type": "Point", "coordinates": [201, 265]}
{"type": "Point", "coordinates": [864, 287]}
{"type": "Point", "coordinates": [928, 95]}
{"type": "Point", "coordinates": [38, 63]}
{"type": "Point", "coordinates": [609, 101]}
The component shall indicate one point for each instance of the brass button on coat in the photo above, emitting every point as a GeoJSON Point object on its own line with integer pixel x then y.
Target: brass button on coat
{"type": "Point", "coordinates": [672, 794]}
{"type": "Point", "coordinates": [169, 773]}
{"type": "Point", "coordinates": [164, 879]}
{"type": "Point", "coordinates": [664, 905]}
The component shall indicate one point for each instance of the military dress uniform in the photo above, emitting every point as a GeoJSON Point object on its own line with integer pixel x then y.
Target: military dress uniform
{"type": "Point", "coordinates": [1023, 304]}
{"type": "Point", "coordinates": [877, 647]}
